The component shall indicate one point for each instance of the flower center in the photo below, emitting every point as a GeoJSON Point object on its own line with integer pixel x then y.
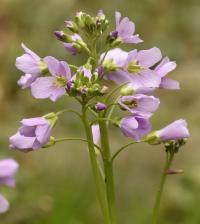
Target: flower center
{"type": "Point", "coordinates": [61, 81]}
{"type": "Point", "coordinates": [134, 67]}
{"type": "Point", "coordinates": [130, 103]}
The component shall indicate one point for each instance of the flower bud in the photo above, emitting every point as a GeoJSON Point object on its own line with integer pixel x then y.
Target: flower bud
{"type": "Point", "coordinates": [71, 26]}
{"type": "Point", "coordinates": [127, 90]}
{"type": "Point", "coordinates": [62, 36]}
{"type": "Point", "coordinates": [100, 107]}
{"type": "Point", "coordinates": [80, 19]}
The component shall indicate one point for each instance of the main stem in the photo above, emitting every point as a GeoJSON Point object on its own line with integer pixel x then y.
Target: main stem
{"type": "Point", "coordinates": [108, 169]}
{"type": "Point", "coordinates": [169, 159]}
{"type": "Point", "coordinates": [100, 186]}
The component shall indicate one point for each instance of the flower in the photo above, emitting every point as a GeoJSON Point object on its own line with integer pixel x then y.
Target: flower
{"type": "Point", "coordinates": [31, 64]}
{"type": "Point", "coordinates": [135, 126]}
{"type": "Point", "coordinates": [8, 169]}
{"type": "Point", "coordinates": [135, 67]}
{"type": "Point", "coordinates": [164, 67]}
{"type": "Point", "coordinates": [114, 59]}
{"type": "Point", "coordinates": [139, 103]}
{"type": "Point", "coordinates": [96, 134]}
{"type": "Point", "coordinates": [32, 135]}
{"type": "Point", "coordinates": [175, 130]}
{"type": "Point", "coordinates": [54, 86]}
{"type": "Point", "coordinates": [124, 31]}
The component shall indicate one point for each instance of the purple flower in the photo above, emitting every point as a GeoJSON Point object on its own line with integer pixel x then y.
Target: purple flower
{"type": "Point", "coordinates": [31, 64]}
{"type": "Point", "coordinates": [139, 103]}
{"type": "Point", "coordinates": [135, 68]}
{"type": "Point", "coordinates": [175, 130]}
{"type": "Point", "coordinates": [125, 30]}
{"type": "Point", "coordinates": [54, 86]}
{"type": "Point", "coordinates": [135, 126]}
{"type": "Point", "coordinates": [96, 134]}
{"type": "Point", "coordinates": [32, 135]}
{"type": "Point", "coordinates": [164, 67]}
{"type": "Point", "coordinates": [100, 107]}
{"type": "Point", "coordinates": [114, 59]}
{"type": "Point", "coordinates": [8, 169]}
{"type": "Point", "coordinates": [72, 47]}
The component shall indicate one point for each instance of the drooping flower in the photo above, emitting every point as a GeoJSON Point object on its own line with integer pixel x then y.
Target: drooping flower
{"type": "Point", "coordinates": [31, 64]}
{"type": "Point", "coordinates": [124, 31]}
{"type": "Point", "coordinates": [139, 103]}
{"type": "Point", "coordinates": [135, 126]}
{"type": "Point", "coordinates": [175, 130]}
{"type": "Point", "coordinates": [54, 86]}
{"type": "Point", "coordinates": [162, 69]}
{"type": "Point", "coordinates": [8, 169]}
{"type": "Point", "coordinates": [96, 134]}
{"type": "Point", "coordinates": [32, 135]}
{"type": "Point", "coordinates": [136, 69]}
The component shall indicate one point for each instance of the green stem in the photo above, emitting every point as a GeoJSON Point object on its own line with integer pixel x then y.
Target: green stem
{"type": "Point", "coordinates": [168, 162]}
{"type": "Point", "coordinates": [121, 149]}
{"type": "Point", "coordinates": [100, 186]}
{"type": "Point", "coordinates": [108, 169]}
{"type": "Point", "coordinates": [75, 139]}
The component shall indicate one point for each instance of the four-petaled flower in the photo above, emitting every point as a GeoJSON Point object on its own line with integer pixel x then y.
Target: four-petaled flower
{"type": "Point", "coordinates": [54, 86]}
{"type": "Point", "coordinates": [124, 31]}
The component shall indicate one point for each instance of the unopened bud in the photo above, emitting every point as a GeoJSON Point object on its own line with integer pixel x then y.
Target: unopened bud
{"type": "Point", "coordinates": [100, 107]}
{"type": "Point", "coordinates": [71, 26]}
{"type": "Point", "coordinates": [127, 90]}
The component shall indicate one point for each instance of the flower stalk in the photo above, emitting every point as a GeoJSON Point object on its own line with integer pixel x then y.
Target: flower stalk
{"type": "Point", "coordinates": [108, 168]}
{"type": "Point", "coordinates": [100, 186]}
{"type": "Point", "coordinates": [168, 162]}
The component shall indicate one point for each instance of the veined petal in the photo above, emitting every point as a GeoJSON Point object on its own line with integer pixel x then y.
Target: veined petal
{"type": "Point", "coordinates": [52, 64]}
{"type": "Point", "coordinates": [18, 141]}
{"type": "Point", "coordinates": [165, 67]}
{"type": "Point", "coordinates": [28, 51]}
{"type": "Point", "coordinates": [43, 133]}
{"type": "Point", "coordinates": [167, 83]}
{"type": "Point", "coordinates": [43, 87]}
{"type": "Point", "coordinates": [150, 57]}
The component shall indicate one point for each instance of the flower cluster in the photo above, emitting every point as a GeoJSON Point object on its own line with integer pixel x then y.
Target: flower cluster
{"type": "Point", "coordinates": [111, 78]}
{"type": "Point", "coordinates": [8, 169]}
{"type": "Point", "coordinates": [141, 72]}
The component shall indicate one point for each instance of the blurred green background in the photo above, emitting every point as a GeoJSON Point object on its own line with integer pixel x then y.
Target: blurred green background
{"type": "Point", "coordinates": [55, 185]}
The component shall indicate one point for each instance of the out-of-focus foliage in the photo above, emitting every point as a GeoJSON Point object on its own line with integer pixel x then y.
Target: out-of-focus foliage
{"type": "Point", "coordinates": [55, 185]}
